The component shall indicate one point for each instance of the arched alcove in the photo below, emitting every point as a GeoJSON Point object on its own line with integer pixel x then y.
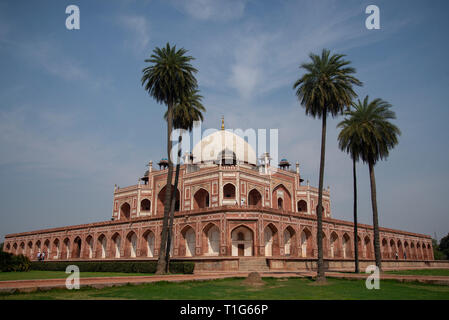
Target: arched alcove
{"type": "Point", "coordinates": [242, 241]}
{"type": "Point", "coordinates": [255, 198]}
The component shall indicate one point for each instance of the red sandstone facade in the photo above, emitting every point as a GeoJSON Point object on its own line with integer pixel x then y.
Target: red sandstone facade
{"type": "Point", "coordinates": [222, 211]}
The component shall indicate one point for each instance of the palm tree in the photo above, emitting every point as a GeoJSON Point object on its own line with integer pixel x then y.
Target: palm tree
{"type": "Point", "coordinates": [371, 121]}
{"type": "Point", "coordinates": [169, 77]}
{"type": "Point", "coordinates": [350, 141]}
{"type": "Point", "coordinates": [326, 87]}
{"type": "Point", "coordinates": [188, 110]}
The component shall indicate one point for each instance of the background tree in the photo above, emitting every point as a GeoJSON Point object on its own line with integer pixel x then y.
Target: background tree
{"type": "Point", "coordinates": [188, 110]}
{"type": "Point", "coordinates": [169, 77]}
{"type": "Point", "coordinates": [325, 88]}
{"type": "Point", "coordinates": [444, 246]}
{"type": "Point", "coordinates": [437, 253]}
{"type": "Point", "coordinates": [379, 136]}
{"type": "Point", "coordinates": [350, 141]}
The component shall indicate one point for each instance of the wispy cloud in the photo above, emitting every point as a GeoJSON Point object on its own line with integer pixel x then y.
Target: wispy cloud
{"type": "Point", "coordinates": [49, 57]}
{"type": "Point", "coordinates": [57, 63]}
{"type": "Point", "coordinates": [139, 28]}
{"type": "Point", "coordinates": [265, 57]}
{"type": "Point", "coordinates": [51, 142]}
{"type": "Point", "coordinates": [212, 9]}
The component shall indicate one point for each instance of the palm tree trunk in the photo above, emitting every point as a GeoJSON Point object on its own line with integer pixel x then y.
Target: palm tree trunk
{"type": "Point", "coordinates": [375, 215]}
{"type": "Point", "coordinates": [320, 272]}
{"type": "Point", "coordinates": [356, 247]}
{"type": "Point", "coordinates": [161, 263]}
{"type": "Point", "coordinates": [172, 206]}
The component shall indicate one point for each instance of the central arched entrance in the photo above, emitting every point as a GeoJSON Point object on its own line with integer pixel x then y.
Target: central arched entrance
{"type": "Point", "coordinates": [242, 242]}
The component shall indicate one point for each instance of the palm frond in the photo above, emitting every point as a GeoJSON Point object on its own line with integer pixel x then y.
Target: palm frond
{"type": "Point", "coordinates": [170, 74]}
{"type": "Point", "coordinates": [187, 110]}
{"type": "Point", "coordinates": [366, 132]}
{"type": "Point", "coordinates": [327, 84]}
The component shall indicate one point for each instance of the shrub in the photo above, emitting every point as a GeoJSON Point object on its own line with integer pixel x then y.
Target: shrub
{"type": "Point", "coordinates": [116, 266]}
{"type": "Point", "coordinates": [10, 262]}
{"type": "Point", "coordinates": [182, 267]}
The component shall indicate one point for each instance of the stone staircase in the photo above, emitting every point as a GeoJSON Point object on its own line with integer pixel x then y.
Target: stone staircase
{"type": "Point", "coordinates": [253, 264]}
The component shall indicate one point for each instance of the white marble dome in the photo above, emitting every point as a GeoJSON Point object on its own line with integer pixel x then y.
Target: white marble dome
{"type": "Point", "coordinates": [223, 142]}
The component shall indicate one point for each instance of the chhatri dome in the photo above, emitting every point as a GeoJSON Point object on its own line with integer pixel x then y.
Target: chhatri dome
{"type": "Point", "coordinates": [224, 147]}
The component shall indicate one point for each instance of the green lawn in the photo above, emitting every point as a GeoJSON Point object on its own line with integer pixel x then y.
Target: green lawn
{"type": "Point", "coordinates": [31, 275]}
{"type": "Point", "coordinates": [422, 272]}
{"type": "Point", "coordinates": [281, 289]}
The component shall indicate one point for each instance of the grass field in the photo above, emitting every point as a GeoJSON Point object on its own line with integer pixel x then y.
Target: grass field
{"type": "Point", "coordinates": [422, 272]}
{"type": "Point", "coordinates": [31, 275]}
{"type": "Point", "coordinates": [278, 289]}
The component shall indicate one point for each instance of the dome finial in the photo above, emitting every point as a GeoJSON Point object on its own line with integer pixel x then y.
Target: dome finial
{"type": "Point", "coordinates": [222, 122]}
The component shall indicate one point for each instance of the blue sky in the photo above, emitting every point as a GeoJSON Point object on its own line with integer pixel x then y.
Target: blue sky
{"type": "Point", "coordinates": [75, 120]}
